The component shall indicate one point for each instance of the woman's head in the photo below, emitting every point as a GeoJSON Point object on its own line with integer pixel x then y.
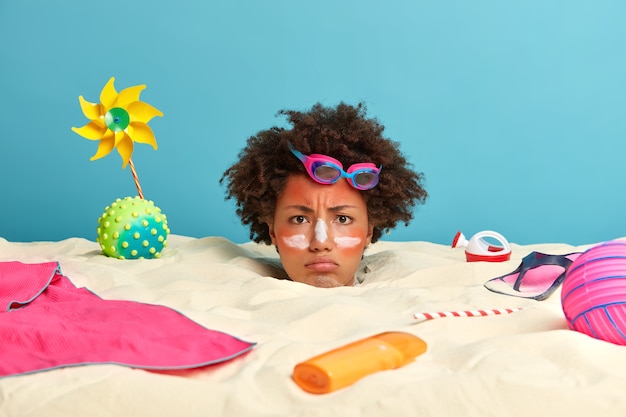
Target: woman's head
{"type": "Point", "coordinates": [268, 170]}
{"type": "Point", "coordinates": [320, 231]}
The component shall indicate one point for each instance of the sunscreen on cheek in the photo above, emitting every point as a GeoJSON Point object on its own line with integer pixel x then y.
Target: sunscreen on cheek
{"type": "Point", "coordinates": [347, 241]}
{"type": "Point", "coordinates": [296, 241]}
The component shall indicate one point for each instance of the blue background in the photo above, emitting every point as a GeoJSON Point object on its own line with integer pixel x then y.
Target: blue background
{"type": "Point", "coordinates": [514, 110]}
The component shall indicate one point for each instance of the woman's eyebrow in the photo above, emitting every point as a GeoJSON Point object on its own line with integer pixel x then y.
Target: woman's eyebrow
{"type": "Point", "coordinates": [305, 209]}
{"type": "Point", "coordinates": [341, 208]}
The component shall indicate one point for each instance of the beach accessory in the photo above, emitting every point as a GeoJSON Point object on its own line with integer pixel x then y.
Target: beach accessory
{"type": "Point", "coordinates": [537, 277]}
{"type": "Point", "coordinates": [347, 364]}
{"type": "Point", "coordinates": [326, 170]}
{"type": "Point", "coordinates": [593, 296]}
{"type": "Point", "coordinates": [479, 248]}
{"type": "Point", "coordinates": [118, 121]}
{"type": "Point", "coordinates": [131, 228]}
{"type": "Point", "coordinates": [47, 322]}
{"type": "Point", "coordinates": [465, 313]}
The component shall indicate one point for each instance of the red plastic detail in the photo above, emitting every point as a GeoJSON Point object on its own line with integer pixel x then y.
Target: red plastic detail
{"type": "Point", "coordinates": [472, 257]}
{"type": "Point", "coordinates": [456, 239]}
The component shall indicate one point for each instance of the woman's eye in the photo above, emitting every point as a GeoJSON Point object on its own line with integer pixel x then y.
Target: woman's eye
{"type": "Point", "coordinates": [344, 219]}
{"type": "Point", "coordinates": [298, 219]}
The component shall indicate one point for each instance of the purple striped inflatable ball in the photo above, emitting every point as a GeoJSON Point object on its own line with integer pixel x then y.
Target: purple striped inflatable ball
{"type": "Point", "coordinates": [593, 296]}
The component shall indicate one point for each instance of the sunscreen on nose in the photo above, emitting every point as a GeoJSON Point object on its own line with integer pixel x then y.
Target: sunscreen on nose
{"type": "Point", "coordinates": [320, 230]}
{"type": "Point", "coordinates": [347, 364]}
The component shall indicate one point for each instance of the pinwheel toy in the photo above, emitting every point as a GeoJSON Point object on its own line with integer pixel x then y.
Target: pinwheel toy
{"type": "Point", "coordinates": [132, 227]}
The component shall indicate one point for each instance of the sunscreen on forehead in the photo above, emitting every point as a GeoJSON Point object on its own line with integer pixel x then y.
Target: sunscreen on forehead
{"type": "Point", "coordinates": [321, 230]}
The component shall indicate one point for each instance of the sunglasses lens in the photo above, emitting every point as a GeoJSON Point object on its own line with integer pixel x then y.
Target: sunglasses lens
{"type": "Point", "coordinates": [366, 180]}
{"type": "Point", "coordinates": [326, 173]}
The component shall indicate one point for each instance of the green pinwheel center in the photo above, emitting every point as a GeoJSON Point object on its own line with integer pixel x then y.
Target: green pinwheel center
{"type": "Point", "coordinates": [117, 119]}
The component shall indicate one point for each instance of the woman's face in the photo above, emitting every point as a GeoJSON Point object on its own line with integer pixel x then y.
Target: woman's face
{"type": "Point", "coordinates": [320, 231]}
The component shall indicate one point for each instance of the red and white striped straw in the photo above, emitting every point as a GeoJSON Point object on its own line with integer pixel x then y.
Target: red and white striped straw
{"type": "Point", "coordinates": [136, 178]}
{"type": "Point", "coordinates": [465, 313]}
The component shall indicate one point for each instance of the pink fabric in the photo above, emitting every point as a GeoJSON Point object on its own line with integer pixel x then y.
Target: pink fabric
{"type": "Point", "coordinates": [46, 322]}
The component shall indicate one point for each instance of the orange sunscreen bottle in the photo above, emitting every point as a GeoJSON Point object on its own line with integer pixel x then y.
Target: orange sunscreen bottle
{"type": "Point", "coordinates": [347, 364]}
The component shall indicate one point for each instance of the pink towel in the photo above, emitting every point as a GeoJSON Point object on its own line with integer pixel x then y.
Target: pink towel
{"type": "Point", "coordinates": [46, 322]}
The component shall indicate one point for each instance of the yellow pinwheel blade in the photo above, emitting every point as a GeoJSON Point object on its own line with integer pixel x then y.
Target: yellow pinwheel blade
{"type": "Point", "coordinates": [92, 111]}
{"type": "Point", "coordinates": [142, 133]}
{"type": "Point", "coordinates": [108, 95]}
{"type": "Point", "coordinates": [125, 149]}
{"type": "Point", "coordinates": [119, 136]}
{"type": "Point", "coordinates": [129, 95]}
{"type": "Point", "coordinates": [91, 131]}
{"type": "Point", "coordinates": [140, 111]}
{"type": "Point", "coordinates": [105, 146]}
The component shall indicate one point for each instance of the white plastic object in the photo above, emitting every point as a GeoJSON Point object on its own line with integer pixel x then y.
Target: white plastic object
{"type": "Point", "coordinates": [479, 249]}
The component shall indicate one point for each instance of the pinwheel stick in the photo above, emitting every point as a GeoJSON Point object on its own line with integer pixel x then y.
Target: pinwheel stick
{"type": "Point", "coordinates": [134, 172]}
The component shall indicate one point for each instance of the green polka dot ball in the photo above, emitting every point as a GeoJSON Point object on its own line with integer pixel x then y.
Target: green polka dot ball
{"type": "Point", "coordinates": [132, 228]}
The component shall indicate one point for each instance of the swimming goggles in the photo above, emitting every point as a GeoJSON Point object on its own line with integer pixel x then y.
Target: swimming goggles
{"type": "Point", "coordinates": [326, 170]}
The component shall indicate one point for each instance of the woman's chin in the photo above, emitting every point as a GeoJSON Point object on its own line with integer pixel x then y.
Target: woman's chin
{"type": "Point", "coordinates": [325, 281]}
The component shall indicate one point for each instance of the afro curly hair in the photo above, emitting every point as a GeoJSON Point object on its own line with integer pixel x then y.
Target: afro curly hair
{"type": "Point", "coordinates": [346, 133]}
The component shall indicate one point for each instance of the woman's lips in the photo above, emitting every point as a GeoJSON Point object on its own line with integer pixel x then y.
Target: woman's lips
{"type": "Point", "coordinates": [322, 265]}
